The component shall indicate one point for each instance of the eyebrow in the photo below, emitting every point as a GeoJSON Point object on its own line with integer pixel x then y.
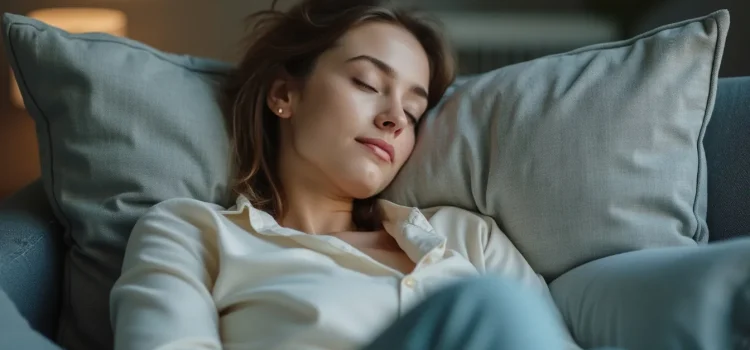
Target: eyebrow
{"type": "Point", "coordinates": [388, 70]}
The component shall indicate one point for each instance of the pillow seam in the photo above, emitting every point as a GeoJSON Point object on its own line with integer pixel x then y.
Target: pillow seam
{"type": "Point", "coordinates": [631, 41]}
{"type": "Point", "coordinates": [20, 77]}
{"type": "Point", "coordinates": [707, 115]}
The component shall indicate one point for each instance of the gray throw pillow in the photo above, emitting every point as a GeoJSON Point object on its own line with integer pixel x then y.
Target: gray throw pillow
{"type": "Point", "coordinates": [580, 155]}
{"type": "Point", "coordinates": [121, 127]}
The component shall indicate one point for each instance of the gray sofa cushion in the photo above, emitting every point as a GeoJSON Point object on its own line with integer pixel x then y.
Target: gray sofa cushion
{"type": "Point", "coordinates": [121, 127]}
{"type": "Point", "coordinates": [31, 253]}
{"type": "Point", "coordinates": [583, 154]}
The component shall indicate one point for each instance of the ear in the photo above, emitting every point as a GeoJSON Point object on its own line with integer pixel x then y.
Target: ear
{"type": "Point", "coordinates": [281, 96]}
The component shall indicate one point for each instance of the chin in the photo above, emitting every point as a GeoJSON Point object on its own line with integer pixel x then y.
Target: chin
{"type": "Point", "coordinates": [363, 190]}
{"type": "Point", "coordinates": [362, 179]}
{"type": "Point", "coordinates": [364, 186]}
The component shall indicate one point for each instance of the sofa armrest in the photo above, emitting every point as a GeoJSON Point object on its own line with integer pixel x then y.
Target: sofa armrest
{"type": "Point", "coordinates": [31, 257]}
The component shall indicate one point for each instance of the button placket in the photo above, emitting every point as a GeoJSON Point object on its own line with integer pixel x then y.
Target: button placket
{"type": "Point", "coordinates": [407, 293]}
{"type": "Point", "coordinates": [410, 282]}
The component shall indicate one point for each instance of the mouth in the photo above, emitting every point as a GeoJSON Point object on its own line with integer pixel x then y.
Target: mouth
{"type": "Point", "coordinates": [380, 148]}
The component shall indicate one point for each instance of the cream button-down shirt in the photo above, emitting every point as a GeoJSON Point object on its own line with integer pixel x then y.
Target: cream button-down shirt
{"type": "Point", "coordinates": [197, 276]}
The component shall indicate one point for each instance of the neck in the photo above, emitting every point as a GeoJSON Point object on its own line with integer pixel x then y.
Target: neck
{"type": "Point", "coordinates": [310, 207]}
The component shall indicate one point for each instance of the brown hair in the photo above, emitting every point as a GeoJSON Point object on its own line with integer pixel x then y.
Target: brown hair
{"type": "Point", "coordinates": [291, 42]}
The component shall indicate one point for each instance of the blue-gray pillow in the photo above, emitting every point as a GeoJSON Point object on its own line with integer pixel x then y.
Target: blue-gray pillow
{"type": "Point", "coordinates": [583, 154]}
{"type": "Point", "coordinates": [121, 127]}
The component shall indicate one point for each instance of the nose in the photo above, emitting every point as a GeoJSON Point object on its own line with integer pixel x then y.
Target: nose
{"type": "Point", "coordinates": [393, 120]}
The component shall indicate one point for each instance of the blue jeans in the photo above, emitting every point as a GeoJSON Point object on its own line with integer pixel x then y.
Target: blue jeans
{"type": "Point", "coordinates": [476, 314]}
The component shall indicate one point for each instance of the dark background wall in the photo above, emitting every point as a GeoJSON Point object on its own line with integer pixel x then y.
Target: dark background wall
{"type": "Point", "coordinates": [736, 60]}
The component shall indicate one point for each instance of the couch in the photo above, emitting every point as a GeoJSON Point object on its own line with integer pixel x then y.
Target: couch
{"type": "Point", "coordinates": [32, 246]}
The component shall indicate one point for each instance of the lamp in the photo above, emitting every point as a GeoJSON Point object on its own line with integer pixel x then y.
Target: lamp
{"type": "Point", "coordinates": [75, 20]}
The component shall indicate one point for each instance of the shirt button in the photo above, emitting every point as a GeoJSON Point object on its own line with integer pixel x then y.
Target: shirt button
{"type": "Point", "coordinates": [410, 282]}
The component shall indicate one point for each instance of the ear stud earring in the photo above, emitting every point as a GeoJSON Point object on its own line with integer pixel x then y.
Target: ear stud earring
{"type": "Point", "coordinates": [281, 111]}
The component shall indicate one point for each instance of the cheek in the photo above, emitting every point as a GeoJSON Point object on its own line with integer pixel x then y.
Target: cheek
{"type": "Point", "coordinates": [333, 103]}
{"type": "Point", "coordinates": [406, 146]}
{"type": "Point", "coordinates": [318, 116]}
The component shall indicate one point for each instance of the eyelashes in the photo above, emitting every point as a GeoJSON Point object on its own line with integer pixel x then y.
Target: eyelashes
{"type": "Point", "coordinates": [364, 85]}
{"type": "Point", "coordinates": [412, 118]}
{"type": "Point", "coordinates": [369, 88]}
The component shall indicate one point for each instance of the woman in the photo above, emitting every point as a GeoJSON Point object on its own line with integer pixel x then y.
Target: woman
{"type": "Point", "coordinates": [323, 112]}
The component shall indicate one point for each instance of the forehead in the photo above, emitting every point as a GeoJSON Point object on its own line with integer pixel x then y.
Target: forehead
{"type": "Point", "coordinates": [389, 43]}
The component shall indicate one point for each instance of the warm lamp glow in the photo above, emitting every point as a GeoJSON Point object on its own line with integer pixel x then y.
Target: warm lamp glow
{"type": "Point", "coordinates": [76, 20]}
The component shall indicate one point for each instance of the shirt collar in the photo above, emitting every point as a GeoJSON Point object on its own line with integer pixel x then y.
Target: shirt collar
{"type": "Point", "coordinates": [411, 230]}
{"type": "Point", "coordinates": [407, 225]}
{"type": "Point", "coordinates": [260, 221]}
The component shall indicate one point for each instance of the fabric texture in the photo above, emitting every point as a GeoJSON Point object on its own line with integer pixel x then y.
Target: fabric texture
{"type": "Point", "coordinates": [728, 154]}
{"type": "Point", "coordinates": [121, 127]}
{"type": "Point", "coordinates": [31, 252]}
{"type": "Point", "coordinates": [670, 298]}
{"type": "Point", "coordinates": [579, 155]}
{"type": "Point", "coordinates": [268, 287]}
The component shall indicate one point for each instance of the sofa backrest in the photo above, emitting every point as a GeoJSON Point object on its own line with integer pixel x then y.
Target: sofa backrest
{"type": "Point", "coordinates": [727, 145]}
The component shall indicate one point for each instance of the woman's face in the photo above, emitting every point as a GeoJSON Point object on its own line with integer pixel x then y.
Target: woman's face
{"type": "Point", "coordinates": [350, 125]}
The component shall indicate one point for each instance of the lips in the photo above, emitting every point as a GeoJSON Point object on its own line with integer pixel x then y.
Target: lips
{"type": "Point", "coordinates": [382, 149]}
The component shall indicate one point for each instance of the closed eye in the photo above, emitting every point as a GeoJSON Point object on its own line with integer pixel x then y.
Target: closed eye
{"type": "Point", "coordinates": [412, 118]}
{"type": "Point", "coordinates": [364, 86]}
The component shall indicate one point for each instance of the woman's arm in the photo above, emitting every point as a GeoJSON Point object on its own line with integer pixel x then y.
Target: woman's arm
{"type": "Point", "coordinates": [162, 299]}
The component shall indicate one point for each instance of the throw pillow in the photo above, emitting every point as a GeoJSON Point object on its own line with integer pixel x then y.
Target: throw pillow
{"type": "Point", "coordinates": [121, 127]}
{"type": "Point", "coordinates": [583, 154]}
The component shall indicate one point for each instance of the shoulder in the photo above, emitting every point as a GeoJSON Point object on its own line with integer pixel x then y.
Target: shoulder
{"type": "Point", "coordinates": [182, 208]}
{"type": "Point", "coordinates": [451, 211]}
{"type": "Point", "coordinates": [181, 216]}
{"type": "Point", "coordinates": [466, 232]}
{"type": "Point", "coordinates": [453, 217]}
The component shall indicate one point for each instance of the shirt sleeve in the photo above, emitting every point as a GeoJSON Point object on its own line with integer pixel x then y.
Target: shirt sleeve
{"type": "Point", "coordinates": [162, 300]}
{"type": "Point", "coordinates": [501, 257]}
